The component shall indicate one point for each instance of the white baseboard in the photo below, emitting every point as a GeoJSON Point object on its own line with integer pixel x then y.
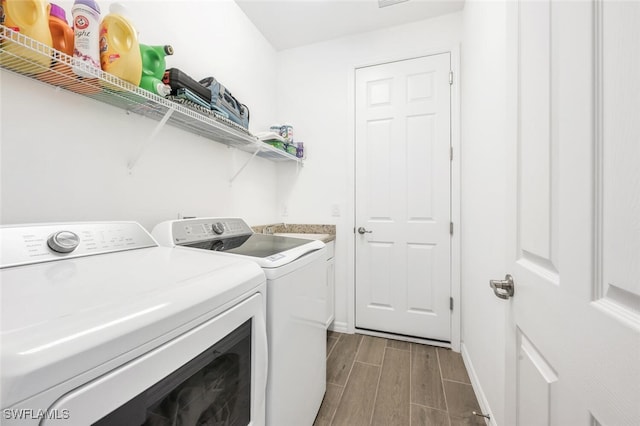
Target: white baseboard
{"type": "Point", "coordinates": [475, 383]}
{"type": "Point", "coordinates": [340, 327]}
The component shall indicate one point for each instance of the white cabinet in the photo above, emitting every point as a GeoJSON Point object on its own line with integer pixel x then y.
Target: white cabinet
{"type": "Point", "coordinates": [331, 286]}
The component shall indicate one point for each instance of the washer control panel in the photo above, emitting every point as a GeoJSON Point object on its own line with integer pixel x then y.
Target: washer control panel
{"type": "Point", "coordinates": [194, 230]}
{"type": "Point", "coordinates": [27, 244]}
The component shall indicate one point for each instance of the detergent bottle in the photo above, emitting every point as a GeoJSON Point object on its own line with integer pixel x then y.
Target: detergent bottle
{"type": "Point", "coordinates": [86, 27]}
{"type": "Point", "coordinates": [31, 18]}
{"type": "Point", "coordinates": [62, 38]}
{"type": "Point", "coordinates": [153, 68]}
{"type": "Point", "coordinates": [61, 33]}
{"type": "Point", "coordinates": [119, 48]}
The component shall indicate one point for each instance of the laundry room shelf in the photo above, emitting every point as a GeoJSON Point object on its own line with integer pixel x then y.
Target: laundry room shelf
{"type": "Point", "coordinates": [27, 57]}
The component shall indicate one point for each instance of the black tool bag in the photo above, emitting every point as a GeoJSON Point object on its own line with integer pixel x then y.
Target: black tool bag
{"type": "Point", "coordinates": [178, 81]}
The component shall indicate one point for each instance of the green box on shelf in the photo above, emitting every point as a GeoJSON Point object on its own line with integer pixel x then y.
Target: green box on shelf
{"type": "Point", "coordinates": [291, 149]}
{"type": "Point", "coordinates": [276, 144]}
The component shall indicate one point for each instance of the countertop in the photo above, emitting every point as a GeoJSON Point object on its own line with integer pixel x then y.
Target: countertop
{"type": "Point", "coordinates": [324, 233]}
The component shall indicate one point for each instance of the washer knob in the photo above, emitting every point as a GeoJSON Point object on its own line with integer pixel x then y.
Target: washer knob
{"type": "Point", "coordinates": [218, 228]}
{"type": "Point", "coordinates": [63, 241]}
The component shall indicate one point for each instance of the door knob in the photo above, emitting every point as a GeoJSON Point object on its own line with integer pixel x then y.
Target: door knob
{"type": "Point", "coordinates": [362, 230]}
{"type": "Point", "coordinates": [504, 289]}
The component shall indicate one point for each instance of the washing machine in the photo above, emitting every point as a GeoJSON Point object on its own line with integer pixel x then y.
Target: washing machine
{"type": "Point", "coordinates": [101, 326]}
{"type": "Point", "coordinates": [296, 306]}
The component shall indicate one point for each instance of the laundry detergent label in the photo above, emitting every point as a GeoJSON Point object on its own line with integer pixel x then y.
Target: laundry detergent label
{"type": "Point", "coordinates": [104, 43]}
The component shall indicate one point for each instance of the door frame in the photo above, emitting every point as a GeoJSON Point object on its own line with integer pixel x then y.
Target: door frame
{"type": "Point", "coordinates": [454, 51]}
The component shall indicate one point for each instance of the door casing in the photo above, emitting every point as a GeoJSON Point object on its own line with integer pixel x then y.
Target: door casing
{"type": "Point", "coordinates": [349, 326]}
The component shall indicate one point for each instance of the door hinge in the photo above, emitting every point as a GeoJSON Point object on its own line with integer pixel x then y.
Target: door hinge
{"type": "Point", "coordinates": [450, 153]}
{"type": "Point", "coordinates": [451, 228]}
{"type": "Point", "coordinates": [451, 303]}
{"type": "Point", "coordinates": [450, 77]}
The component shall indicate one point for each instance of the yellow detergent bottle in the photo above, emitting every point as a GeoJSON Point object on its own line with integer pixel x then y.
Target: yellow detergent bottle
{"type": "Point", "coordinates": [119, 48]}
{"type": "Point", "coordinates": [30, 18]}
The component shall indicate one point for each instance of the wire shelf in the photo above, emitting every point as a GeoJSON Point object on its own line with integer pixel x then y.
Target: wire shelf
{"type": "Point", "coordinates": [28, 57]}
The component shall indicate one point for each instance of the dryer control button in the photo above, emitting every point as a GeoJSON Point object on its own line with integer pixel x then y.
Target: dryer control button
{"type": "Point", "coordinates": [63, 241]}
{"type": "Point", "coordinates": [218, 228]}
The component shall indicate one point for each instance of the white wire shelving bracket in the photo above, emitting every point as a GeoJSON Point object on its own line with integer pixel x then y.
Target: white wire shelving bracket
{"type": "Point", "coordinates": [27, 57]}
{"type": "Point", "coordinates": [243, 167]}
{"type": "Point", "coordinates": [150, 139]}
{"type": "Point", "coordinates": [267, 151]}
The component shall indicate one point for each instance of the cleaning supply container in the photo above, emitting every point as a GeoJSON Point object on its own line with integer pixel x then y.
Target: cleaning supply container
{"type": "Point", "coordinates": [31, 18]}
{"type": "Point", "coordinates": [286, 131]}
{"type": "Point", "coordinates": [62, 35]}
{"type": "Point", "coordinates": [119, 47]}
{"type": "Point", "coordinates": [86, 27]}
{"type": "Point", "coordinates": [62, 38]}
{"type": "Point", "coordinates": [153, 68]}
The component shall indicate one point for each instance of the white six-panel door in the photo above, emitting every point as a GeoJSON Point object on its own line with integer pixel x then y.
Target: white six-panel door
{"type": "Point", "coordinates": [574, 338]}
{"type": "Point", "coordinates": [403, 192]}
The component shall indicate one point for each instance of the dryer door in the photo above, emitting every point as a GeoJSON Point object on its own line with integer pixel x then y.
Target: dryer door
{"type": "Point", "coordinates": [189, 380]}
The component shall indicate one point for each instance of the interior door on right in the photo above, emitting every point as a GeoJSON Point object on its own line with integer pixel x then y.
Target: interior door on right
{"type": "Point", "coordinates": [574, 342]}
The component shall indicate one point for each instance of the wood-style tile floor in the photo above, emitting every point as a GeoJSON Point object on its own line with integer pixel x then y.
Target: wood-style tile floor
{"type": "Point", "coordinates": [376, 381]}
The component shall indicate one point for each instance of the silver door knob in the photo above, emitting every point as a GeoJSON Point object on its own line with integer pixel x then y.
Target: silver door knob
{"type": "Point", "coordinates": [362, 230]}
{"type": "Point", "coordinates": [504, 289]}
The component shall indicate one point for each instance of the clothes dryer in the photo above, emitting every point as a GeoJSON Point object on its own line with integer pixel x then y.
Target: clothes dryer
{"type": "Point", "coordinates": [102, 326]}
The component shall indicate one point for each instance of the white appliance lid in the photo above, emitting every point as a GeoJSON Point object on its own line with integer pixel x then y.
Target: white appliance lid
{"type": "Point", "coordinates": [234, 236]}
{"type": "Point", "coordinates": [253, 245]}
{"type": "Point", "coordinates": [59, 319]}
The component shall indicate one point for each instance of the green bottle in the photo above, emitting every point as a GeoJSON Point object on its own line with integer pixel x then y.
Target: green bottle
{"type": "Point", "coordinates": [153, 67]}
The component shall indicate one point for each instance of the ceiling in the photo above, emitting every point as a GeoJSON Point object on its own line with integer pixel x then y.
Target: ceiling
{"type": "Point", "coordinates": [293, 23]}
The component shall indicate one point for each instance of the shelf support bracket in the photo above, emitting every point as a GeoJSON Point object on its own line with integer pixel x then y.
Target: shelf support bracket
{"type": "Point", "coordinates": [150, 139]}
{"type": "Point", "coordinates": [244, 165]}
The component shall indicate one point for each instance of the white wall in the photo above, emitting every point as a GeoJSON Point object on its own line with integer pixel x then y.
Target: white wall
{"type": "Point", "coordinates": [315, 94]}
{"type": "Point", "coordinates": [483, 242]}
{"type": "Point", "coordinates": [64, 157]}
{"type": "Point", "coordinates": [314, 85]}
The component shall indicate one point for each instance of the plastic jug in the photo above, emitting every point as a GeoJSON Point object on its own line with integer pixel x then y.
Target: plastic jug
{"type": "Point", "coordinates": [31, 18]}
{"type": "Point", "coordinates": [119, 48]}
{"type": "Point", "coordinates": [61, 33]}
{"type": "Point", "coordinates": [86, 27]}
{"type": "Point", "coordinates": [62, 37]}
{"type": "Point", "coordinates": [153, 68]}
